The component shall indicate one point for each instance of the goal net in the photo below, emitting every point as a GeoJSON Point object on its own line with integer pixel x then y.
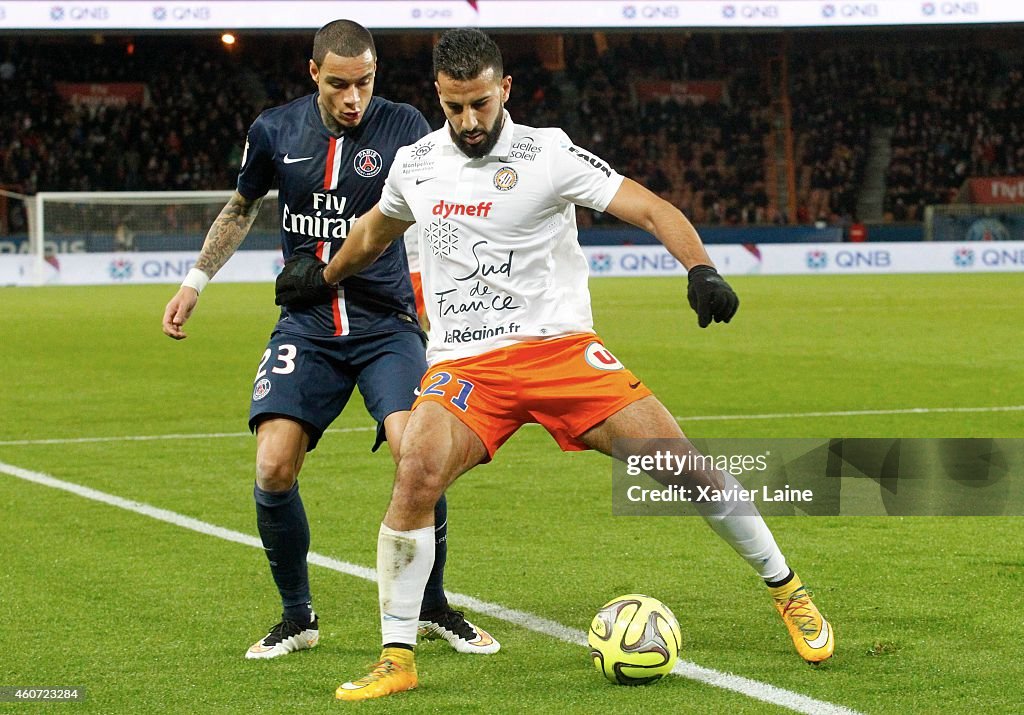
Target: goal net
{"type": "Point", "coordinates": [974, 222]}
{"type": "Point", "coordinates": [108, 222]}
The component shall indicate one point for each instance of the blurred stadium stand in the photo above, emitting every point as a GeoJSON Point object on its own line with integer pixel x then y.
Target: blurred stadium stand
{"type": "Point", "coordinates": [735, 129]}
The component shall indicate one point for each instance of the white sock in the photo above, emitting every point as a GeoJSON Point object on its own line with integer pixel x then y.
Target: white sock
{"type": "Point", "coordinates": [743, 528]}
{"type": "Point", "coordinates": [404, 560]}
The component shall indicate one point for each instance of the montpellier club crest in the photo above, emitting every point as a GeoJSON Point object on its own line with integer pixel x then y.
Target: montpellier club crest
{"type": "Point", "coordinates": [367, 163]}
{"type": "Point", "coordinates": [506, 179]}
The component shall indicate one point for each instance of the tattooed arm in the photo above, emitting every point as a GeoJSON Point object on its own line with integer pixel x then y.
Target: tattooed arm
{"type": "Point", "coordinates": [226, 234]}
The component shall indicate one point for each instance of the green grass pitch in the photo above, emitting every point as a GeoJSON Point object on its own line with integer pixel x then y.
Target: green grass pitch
{"type": "Point", "coordinates": [150, 617]}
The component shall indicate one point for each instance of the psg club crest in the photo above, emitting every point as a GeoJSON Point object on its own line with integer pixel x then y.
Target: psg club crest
{"type": "Point", "coordinates": [367, 163]}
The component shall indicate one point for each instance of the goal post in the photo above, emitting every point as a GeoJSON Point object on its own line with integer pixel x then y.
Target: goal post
{"type": "Point", "coordinates": [62, 223]}
{"type": "Point", "coordinates": [974, 222]}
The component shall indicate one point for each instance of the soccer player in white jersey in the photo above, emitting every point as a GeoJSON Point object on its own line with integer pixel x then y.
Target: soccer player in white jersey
{"type": "Point", "coordinates": [329, 152]}
{"type": "Point", "coordinates": [511, 335]}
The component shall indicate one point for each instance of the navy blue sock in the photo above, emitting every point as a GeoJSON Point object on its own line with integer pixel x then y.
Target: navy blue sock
{"type": "Point", "coordinates": [284, 530]}
{"type": "Point", "coordinates": [433, 594]}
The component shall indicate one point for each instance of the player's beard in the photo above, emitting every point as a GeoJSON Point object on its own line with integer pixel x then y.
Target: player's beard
{"type": "Point", "coordinates": [475, 151]}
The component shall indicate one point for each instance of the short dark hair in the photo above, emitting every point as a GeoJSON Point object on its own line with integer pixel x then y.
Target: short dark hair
{"type": "Point", "coordinates": [464, 54]}
{"type": "Point", "coordinates": [344, 38]}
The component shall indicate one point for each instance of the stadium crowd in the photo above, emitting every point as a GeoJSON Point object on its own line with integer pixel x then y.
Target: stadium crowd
{"type": "Point", "coordinates": [956, 112]}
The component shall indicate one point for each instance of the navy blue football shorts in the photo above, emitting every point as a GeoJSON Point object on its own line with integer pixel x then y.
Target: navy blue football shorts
{"type": "Point", "coordinates": [310, 379]}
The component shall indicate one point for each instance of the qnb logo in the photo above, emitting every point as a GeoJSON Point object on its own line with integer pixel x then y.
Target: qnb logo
{"type": "Point", "coordinates": [629, 11]}
{"type": "Point", "coordinates": [651, 12]}
{"type": "Point", "coordinates": [1003, 257]}
{"type": "Point", "coordinates": [863, 259]}
{"type": "Point", "coordinates": [182, 12]}
{"type": "Point", "coordinates": [431, 13]}
{"type": "Point", "coordinates": [445, 209]}
{"type": "Point", "coordinates": [963, 258]}
{"type": "Point", "coordinates": [848, 10]}
{"type": "Point", "coordinates": [600, 263]}
{"type": "Point", "coordinates": [120, 269]}
{"type": "Point", "coordinates": [816, 260]}
{"type": "Point", "coordinates": [951, 8]}
{"type": "Point", "coordinates": [751, 11]}
{"type": "Point", "coordinates": [79, 12]}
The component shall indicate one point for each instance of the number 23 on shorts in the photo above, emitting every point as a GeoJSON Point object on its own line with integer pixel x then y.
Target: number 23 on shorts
{"type": "Point", "coordinates": [441, 379]}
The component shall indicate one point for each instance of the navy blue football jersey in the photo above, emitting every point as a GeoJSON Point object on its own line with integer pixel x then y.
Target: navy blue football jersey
{"type": "Point", "coordinates": [325, 183]}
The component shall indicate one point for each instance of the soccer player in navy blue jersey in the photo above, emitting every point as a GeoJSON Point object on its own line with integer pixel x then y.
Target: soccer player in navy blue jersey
{"type": "Point", "coordinates": [330, 152]}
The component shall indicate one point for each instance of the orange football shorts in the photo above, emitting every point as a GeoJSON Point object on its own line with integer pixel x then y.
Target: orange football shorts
{"type": "Point", "coordinates": [566, 384]}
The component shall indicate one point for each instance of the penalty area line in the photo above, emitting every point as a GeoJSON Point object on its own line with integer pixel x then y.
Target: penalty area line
{"type": "Point", "coordinates": [745, 686]}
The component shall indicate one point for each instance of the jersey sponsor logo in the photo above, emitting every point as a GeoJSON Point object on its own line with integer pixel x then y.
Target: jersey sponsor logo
{"type": "Point", "coordinates": [445, 209]}
{"type": "Point", "coordinates": [596, 163]}
{"type": "Point", "coordinates": [524, 149]}
{"type": "Point", "coordinates": [367, 163]}
{"type": "Point", "coordinates": [261, 390]}
{"type": "Point", "coordinates": [506, 178]}
{"type": "Point", "coordinates": [421, 150]}
{"type": "Point", "coordinates": [417, 166]}
{"type": "Point", "coordinates": [599, 357]}
{"type": "Point", "coordinates": [316, 226]}
{"type": "Point", "coordinates": [442, 237]}
{"type": "Point", "coordinates": [484, 332]}
{"type": "Point", "coordinates": [294, 159]}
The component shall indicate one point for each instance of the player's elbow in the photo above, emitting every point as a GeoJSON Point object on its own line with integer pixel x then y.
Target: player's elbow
{"type": "Point", "coordinates": [660, 216]}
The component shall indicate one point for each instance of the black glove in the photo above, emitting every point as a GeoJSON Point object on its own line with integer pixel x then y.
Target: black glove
{"type": "Point", "coordinates": [710, 296]}
{"type": "Point", "coordinates": [301, 283]}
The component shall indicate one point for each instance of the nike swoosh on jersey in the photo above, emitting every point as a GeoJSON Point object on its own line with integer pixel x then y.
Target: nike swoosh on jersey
{"type": "Point", "coordinates": [292, 160]}
{"type": "Point", "coordinates": [822, 638]}
{"type": "Point", "coordinates": [423, 181]}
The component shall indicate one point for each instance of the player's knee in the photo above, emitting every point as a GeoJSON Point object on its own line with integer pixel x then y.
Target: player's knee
{"type": "Point", "coordinates": [275, 474]}
{"type": "Point", "coordinates": [419, 482]}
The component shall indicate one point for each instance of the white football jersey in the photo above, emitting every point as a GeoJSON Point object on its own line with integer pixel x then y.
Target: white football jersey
{"type": "Point", "coordinates": [499, 251]}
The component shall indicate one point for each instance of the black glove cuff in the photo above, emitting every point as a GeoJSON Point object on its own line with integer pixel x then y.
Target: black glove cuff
{"type": "Point", "coordinates": [701, 269]}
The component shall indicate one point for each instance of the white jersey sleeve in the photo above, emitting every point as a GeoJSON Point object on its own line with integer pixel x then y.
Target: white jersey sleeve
{"type": "Point", "coordinates": [392, 200]}
{"type": "Point", "coordinates": [581, 177]}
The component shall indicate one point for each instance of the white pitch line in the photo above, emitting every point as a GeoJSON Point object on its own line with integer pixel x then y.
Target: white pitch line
{"type": "Point", "coordinates": [154, 437]}
{"type": "Point", "coordinates": [851, 413]}
{"type": "Point", "coordinates": [727, 681]}
{"type": "Point", "coordinates": [692, 418]}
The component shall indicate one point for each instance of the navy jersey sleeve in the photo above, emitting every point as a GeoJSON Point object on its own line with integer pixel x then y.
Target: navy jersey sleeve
{"type": "Point", "coordinates": [420, 127]}
{"type": "Point", "coordinates": [256, 175]}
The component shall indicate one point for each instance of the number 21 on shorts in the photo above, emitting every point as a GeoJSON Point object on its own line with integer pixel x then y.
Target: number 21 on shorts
{"type": "Point", "coordinates": [440, 379]}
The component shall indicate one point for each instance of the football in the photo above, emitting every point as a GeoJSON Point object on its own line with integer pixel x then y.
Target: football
{"type": "Point", "coordinates": [634, 640]}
